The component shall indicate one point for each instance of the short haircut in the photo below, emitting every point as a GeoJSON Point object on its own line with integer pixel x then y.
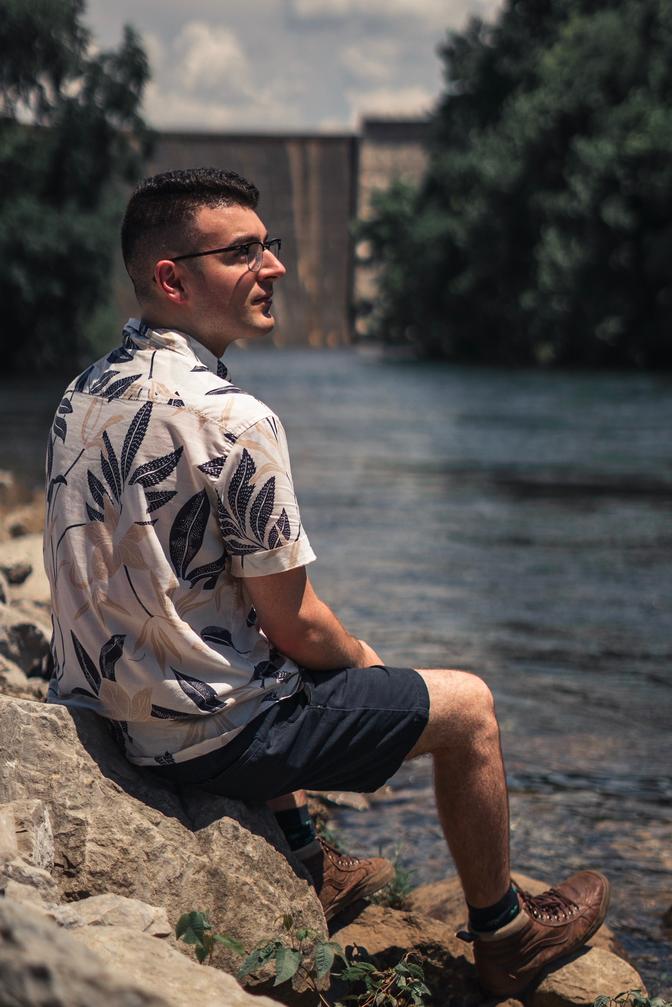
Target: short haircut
{"type": "Point", "coordinates": [160, 214]}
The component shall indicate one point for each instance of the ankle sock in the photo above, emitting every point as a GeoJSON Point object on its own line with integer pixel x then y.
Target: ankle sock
{"type": "Point", "coordinates": [491, 918]}
{"type": "Point", "coordinates": [297, 826]}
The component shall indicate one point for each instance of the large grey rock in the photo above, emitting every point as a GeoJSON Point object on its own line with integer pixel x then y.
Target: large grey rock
{"type": "Point", "coordinates": [118, 829]}
{"type": "Point", "coordinates": [110, 910]}
{"type": "Point", "coordinates": [43, 965]}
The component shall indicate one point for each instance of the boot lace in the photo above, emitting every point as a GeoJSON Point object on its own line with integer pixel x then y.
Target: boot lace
{"type": "Point", "coordinates": [342, 859]}
{"type": "Point", "coordinates": [550, 905]}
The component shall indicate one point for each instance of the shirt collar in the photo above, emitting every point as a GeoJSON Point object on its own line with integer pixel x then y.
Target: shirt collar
{"type": "Point", "coordinates": [179, 342]}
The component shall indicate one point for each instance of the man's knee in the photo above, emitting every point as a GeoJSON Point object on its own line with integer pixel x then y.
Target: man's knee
{"type": "Point", "coordinates": [461, 711]}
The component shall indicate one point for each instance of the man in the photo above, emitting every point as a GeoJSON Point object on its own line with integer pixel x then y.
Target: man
{"type": "Point", "coordinates": [184, 614]}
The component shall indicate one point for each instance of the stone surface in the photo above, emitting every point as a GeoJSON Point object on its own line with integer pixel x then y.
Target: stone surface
{"type": "Point", "coordinates": [387, 934]}
{"type": "Point", "coordinates": [443, 900]}
{"type": "Point", "coordinates": [5, 593]}
{"type": "Point", "coordinates": [114, 910]}
{"type": "Point", "coordinates": [25, 634]}
{"type": "Point", "coordinates": [118, 829]}
{"type": "Point", "coordinates": [154, 965]}
{"type": "Point", "coordinates": [16, 573]}
{"type": "Point", "coordinates": [27, 549]}
{"type": "Point", "coordinates": [42, 966]}
{"type": "Point", "coordinates": [580, 981]}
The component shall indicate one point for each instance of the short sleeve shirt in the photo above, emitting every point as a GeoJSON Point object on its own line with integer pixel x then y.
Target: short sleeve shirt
{"type": "Point", "coordinates": [167, 487]}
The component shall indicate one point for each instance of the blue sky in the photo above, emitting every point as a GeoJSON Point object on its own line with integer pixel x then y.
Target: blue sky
{"type": "Point", "coordinates": [286, 64]}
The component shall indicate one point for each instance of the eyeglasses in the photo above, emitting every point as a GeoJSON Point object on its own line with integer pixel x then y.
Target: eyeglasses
{"type": "Point", "coordinates": [251, 251]}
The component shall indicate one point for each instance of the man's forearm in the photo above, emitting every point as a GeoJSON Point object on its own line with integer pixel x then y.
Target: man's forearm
{"type": "Point", "coordinates": [321, 643]}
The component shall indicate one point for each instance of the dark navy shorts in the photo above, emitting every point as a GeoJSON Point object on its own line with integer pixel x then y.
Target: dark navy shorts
{"type": "Point", "coordinates": [343, 730]}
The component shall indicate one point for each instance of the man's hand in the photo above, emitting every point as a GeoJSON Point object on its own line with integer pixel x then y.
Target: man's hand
{"type": "Point", "coordinates": [302, 626]}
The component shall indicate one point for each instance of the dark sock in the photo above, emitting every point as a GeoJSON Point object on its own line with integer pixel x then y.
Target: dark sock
{"type": "Point", "coordinates": [297, 826]}
{"type": "Point", "coordinates": [491, 918]}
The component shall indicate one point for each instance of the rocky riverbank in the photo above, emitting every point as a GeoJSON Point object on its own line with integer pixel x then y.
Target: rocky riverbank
{"type": "Point", "coordinates": [98, 860]}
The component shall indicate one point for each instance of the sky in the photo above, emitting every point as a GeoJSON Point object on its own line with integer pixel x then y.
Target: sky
{"type": "Point", "coordinates": [286, 65]}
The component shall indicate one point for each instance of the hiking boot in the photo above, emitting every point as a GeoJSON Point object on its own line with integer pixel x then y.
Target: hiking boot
{"type": "Point", "coordinates": [341, 879]}
{"type": "Point", "coordinates": [548, 928]}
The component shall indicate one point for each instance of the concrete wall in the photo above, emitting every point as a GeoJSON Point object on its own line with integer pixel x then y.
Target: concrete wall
{"type": "Point", "coordinates": [311, 186]}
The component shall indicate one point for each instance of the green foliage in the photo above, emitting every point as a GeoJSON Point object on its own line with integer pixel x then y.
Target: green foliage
{"type": "Point", "coordinates": [70, 136]}
{"type": "Point", "coordinates": [300, 952]}
{"type": "Point", "coordinates": [541, 233]}
{"type": "Point", "coordinates": [631, 998]}
{"type": "Point", "coordinates": [194, 928]}
{"type": "Point", "coordinates": [395, 894]}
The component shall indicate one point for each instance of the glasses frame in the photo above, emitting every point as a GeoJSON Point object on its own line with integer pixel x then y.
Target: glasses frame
{"type": "Point", "coordinates": [273, 245]}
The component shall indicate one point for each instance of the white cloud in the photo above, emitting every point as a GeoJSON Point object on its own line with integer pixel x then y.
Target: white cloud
{"type": "Point", "coordinates": [437, 14]}
{"type": "Point", "coordinates": [373, 60]}
{"type": "Point", "coordinates": [210, 56]}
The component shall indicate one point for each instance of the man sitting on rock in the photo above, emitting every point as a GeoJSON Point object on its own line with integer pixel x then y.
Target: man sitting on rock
{"type": "Point", "coordinates": [182, 608]}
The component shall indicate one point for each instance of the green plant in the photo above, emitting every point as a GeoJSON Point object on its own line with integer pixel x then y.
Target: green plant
{"type": "Point", "coordinates": [194, 928]}
{"type": "Point", "coordinates": [402, 985]}
{"type": "Point", "coordinates": [631, 998]}
{"type": "Point", "coordinates": [301, 952]}
{"type": "Point", "coordinates": [395, 894]}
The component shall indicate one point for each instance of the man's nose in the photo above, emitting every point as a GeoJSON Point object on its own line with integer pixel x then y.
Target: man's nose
{"type": "Point", "coordinates": [271, 265]}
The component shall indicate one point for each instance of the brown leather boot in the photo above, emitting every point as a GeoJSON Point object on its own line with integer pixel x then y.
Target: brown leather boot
{"type": "Point", "coordinates": [548, 928]}
{"type": "Point", "coordinates": [341, 879]}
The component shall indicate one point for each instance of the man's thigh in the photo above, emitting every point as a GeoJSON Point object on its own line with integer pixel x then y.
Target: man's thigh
{"type": "Point", "coordinates": [343, 730]}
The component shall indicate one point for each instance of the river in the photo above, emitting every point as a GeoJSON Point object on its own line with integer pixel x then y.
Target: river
{"type": "Point", "coordinates": [515, 524]}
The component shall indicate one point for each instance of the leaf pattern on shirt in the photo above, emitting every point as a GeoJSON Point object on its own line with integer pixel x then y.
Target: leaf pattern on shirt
{"type": "Point", "coordinates": [187, 532]}
{"type": "Point", "coordinates": [200, 693]}
{"type": "Point", "coordinates": [112, 555]}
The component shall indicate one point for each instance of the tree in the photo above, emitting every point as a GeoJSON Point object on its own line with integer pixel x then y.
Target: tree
{"type": "Point", "coordinates": [70, 136]}
{"type": "Point", "coordinates": [542, 231]}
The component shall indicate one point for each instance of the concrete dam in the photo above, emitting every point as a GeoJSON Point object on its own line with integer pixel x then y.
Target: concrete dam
{"type": "Point", "coordinates": [313, 187]}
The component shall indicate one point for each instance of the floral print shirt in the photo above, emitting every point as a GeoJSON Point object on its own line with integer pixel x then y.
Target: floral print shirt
{"type": "Point", "coordinates": [167, 486]}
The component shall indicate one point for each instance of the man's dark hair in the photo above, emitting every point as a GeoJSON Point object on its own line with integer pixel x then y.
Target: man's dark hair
{"type": "Point", "coordinates": [160, 214]}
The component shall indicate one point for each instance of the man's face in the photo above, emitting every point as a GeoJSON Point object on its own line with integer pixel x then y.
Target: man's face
{"type": "Point", "coordinates": [226, 300]}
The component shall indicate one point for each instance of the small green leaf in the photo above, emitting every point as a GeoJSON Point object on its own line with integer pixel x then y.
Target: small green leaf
{"type": "Point", "coordinates": [287, 921]}
{"type": "Point", "coordinates": [287, 961]}
{"type": "Point", "coordinates": [256, 958]}
{"type": "Point", "coordinates": [191, 927]}
{"type": "Point", "coordinates": [201, 953]}
{"type": "Point", "coordinates": [229, 942]}
{"type": "Point", "coordinates": [302, 934]}
{"type": "Point", "coordinates": [324, 958]}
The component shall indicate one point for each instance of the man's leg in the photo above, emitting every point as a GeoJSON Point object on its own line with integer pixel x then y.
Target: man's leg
{"type": "Point", "coordinates": [516, 936]}
{"type": "Point", "coordinates": [462, 735]}
{"type": "Point", "coordinates": [339, 878]}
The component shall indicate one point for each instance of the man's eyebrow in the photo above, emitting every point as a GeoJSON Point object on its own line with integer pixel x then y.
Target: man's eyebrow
{"type": "Point", "coordinates": [244, 239]}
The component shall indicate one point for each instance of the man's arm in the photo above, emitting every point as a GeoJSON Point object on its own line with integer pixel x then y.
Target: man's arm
{"type": "Point", "coordinates": [302, 626]}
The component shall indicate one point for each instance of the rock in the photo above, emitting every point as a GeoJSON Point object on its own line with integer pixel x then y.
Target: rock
{"type": "Point", "coordinates": [443, 900]}
{"type": "Point", "coordinates": [15, 682]}
{"type": "Point", "coordinates": [42, 966]}
{"type": "Point", "coordinates": [387, 934]}
{"type": "Point", "coordinates": [9, 848]}
{"type": "Point", "coordinates": [27, 550]}
{"type": "Point", "coordinates": [34, 833]}
{"type": "Point", "coordinates": [114, 910]}
{"type": "Point", "coordinates": [4, 589]}
{"type": "Point", "coordinates": [33, 877]}
{"type": "Point", "coordinates": [155, 965]}
{"type": "Point", "coordinates": [25, 636]}
{"type": "Point", "coordinates": [119, 829]}
{"type": "Point", "coordinates": [17, 572]}
{"type": "Point", "coordinates": [580, 981]}
{"type": "Point", "coordinates": [17, 891]}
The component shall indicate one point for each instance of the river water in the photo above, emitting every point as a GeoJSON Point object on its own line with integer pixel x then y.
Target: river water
{"type": "Point", "coordinates": [515, 524]}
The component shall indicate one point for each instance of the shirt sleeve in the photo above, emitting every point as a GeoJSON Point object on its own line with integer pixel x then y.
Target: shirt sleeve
{"type": "Point", "coordinates": [258, 511]}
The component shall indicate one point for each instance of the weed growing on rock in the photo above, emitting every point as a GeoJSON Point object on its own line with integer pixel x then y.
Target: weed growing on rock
{"type": "Point", "coordinates": [301, 952]}
{"type": "Point", "coordinates": [631, 998]}
{"type": "Point", "coordinates": [395, 894]}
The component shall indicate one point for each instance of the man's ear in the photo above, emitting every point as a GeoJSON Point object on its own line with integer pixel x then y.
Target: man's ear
{"type": "Point", "coordinates": [169, 278]}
